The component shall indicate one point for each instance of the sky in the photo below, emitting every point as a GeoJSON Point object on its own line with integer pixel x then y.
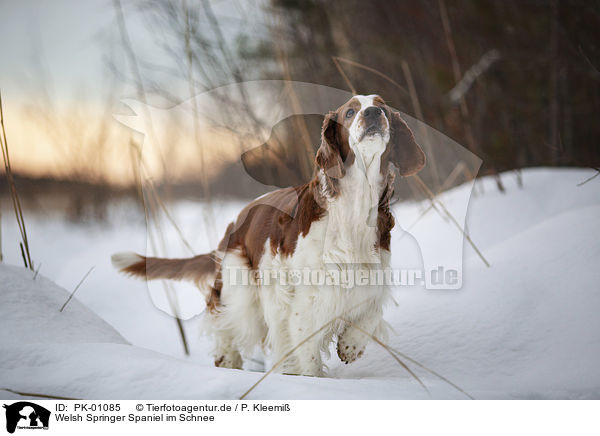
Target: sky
{"type": "Point", "coordinates": [55, 80]}
{"type": "Point", "coordinates": [52, 43]}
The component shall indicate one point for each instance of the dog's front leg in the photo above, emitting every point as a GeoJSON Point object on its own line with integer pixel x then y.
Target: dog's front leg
{"type": "Point", "coordinates": [307, 358]}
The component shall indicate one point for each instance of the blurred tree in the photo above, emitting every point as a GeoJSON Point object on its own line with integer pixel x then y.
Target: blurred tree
{"type": "Point", "coordinates": [536, 105]}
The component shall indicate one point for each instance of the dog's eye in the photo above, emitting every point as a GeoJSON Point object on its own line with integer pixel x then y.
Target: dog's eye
{"type": "Point", "coordinates": [350, 113]}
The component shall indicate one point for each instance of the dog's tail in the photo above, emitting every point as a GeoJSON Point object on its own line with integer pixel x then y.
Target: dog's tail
{"type": "Point", "coordinates": [201, 269]}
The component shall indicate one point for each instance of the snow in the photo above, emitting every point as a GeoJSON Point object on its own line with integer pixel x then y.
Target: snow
{"type": "Point", "coordinates": [526, 327]}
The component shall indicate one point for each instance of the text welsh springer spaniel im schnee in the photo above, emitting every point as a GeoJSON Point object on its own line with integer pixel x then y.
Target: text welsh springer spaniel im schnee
{"type": "Point", "coordinates": [339, 221]}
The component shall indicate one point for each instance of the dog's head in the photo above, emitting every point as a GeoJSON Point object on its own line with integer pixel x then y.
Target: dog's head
{"type": "Point", "coordinates": [366, 126]}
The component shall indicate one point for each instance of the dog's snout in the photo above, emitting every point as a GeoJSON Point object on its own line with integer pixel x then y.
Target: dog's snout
{"type": "Point", "coordinates": [372, 112]}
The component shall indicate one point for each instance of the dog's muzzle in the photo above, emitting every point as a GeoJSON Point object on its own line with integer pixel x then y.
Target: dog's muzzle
{"type": "Point", "coordinates": [373, 119]}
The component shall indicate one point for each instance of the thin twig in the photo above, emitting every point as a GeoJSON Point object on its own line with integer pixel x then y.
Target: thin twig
{"type": "Point", "coordinates": [589, 179]}
{"type": "Point", "coordinates": [459, 91]}
{"type": "Point", "coordinates": [208, 211]}
{"type": "Point", "coordinates": [344, 76]}
{"type": "Point", "coordinates": [1, 255]}
{"type": "Point", "coordinates": [150, 212]}
{"type": "Point", "coordinates": [31, 394]}
{"type": "Point", "coordinates": [169, 291]}
{"type": "Point", "coordinates": [577, 161]}
{"type": "Point", "coordinates": [305, 165]}
{"type": "Point", "coordinates": [421, 215]}
{"type": "Point", "coordinates": [594, 69]}
{"type": "Point", "coordinates": [37, 270]}
{"type": "Point", "coordinates": [306, 339]}
{"type": "Point", "coordinates": [459, 169]}
{"type": "Point", "coordinates": [23, 254]}
{"type": "Point", "coordinates": [373, 70]}
{"type": "Point", "coordinates": [76, 287]}
{"type": "Point", "coordinates": [312, 335]}
{"type": "Point", "coordinates": [286, 355]}
{"type": "Point", "coordinates": [419, 113]}
{"type": "Point", "coordinates": [13, 191]}
{"type": "Point", "coordinates": [432, 197]}
{"type": "Point", "coordinates": [458, 388]}
{"type": "Point", "coordinates": [388, 349]}
{"type": "Point", "coordinates": [474, 146]}
{"type": "Point", "coordinates": [162, 205]}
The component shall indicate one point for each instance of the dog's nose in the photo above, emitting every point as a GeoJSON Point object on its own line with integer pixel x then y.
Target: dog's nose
{"type": "Point", "coordinates": [372, 112]}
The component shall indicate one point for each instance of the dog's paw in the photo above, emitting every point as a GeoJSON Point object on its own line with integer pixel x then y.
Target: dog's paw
{"type": "Point", "coordinates": [231, 360]}
{"type": "Point", "coordinates": [348, 352]}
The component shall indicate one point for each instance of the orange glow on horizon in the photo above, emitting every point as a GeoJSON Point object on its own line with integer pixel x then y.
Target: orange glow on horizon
{"type": "Point", "coordinates": [87, 144]}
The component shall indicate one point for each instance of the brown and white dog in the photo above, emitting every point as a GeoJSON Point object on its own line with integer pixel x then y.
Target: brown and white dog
{"type": "Point", "coordinates": [340, 219]}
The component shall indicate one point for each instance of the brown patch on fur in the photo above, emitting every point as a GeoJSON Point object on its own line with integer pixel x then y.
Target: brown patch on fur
{"type": "Point", "coordinates": [402, 150]}
{"type": "Point", "coordinates": [280, 216]}
{"type": "Point", "coordinates": [385, 219]}
{"type": "Point", "coordinates": [334, 154]}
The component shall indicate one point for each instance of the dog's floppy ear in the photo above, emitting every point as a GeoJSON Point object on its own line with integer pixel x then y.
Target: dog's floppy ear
{"type": "Point", "coordinates": [405, 153]}
{"type": "Point", "coordinates": [328, 156]}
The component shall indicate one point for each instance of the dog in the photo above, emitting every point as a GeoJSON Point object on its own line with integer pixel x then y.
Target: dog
{"type": "Point", "coordinates": [337, 222]}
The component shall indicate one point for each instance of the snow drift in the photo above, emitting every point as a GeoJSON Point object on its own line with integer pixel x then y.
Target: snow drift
{"type": "Point", "coordinates": [527, 327]}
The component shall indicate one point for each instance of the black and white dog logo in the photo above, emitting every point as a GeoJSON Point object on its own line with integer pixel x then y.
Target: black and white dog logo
{"type": "Point", "coordinates": [26, 415]}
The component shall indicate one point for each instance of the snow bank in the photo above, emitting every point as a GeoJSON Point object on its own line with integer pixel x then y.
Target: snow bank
{"type": "Point", "coordinates": [30, 313]}
{"type": "Point", "coordinates": [527, 327]}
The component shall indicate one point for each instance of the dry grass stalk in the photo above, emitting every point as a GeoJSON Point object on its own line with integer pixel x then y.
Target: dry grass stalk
{"type": "Point", "coordinates": [426, 143]}
{"type": "Point", "coordinates": [13, 194]}
{"type": "Point", "coordinates": [151, 211]}
{"type": "Point", "coordinates": [305, 164]}
{"type": "Point", "coordinates": [174, 304]}
{"type": "Point", "coordinates": [389, 350]}
{"type": "Point", "coordinates": [394, 353]}
{"type": "Point", "coordinates": [76, 288]}
{"type": "Point", "coordinates": [464, 109]}
{"type": "Point", "coordinates": [441, 377]}
{"type": "Point", "coordinates": [1, 255]}
{"type": "Point", "coordinates": [459, 169]}
{"type": "Point", "coordinates": [150, 186]}
{"type": "Point", "coordinates": [151, 206]}
{"type": "Point", "coordinates": [23, 254]}
{"type": "Point", "coordinates": [372, 70]}
{"type": "Point", "coordinates": [312, 335]}
{"type": "Point", "coordinates": [287, 355]}
{"type": "Point", "coordinates": [208, 212]}
{"type": "Point", "coordinates": [343, 74]}
{"type": "Point", "coordinates": [419, 218]}
{"type": "Point", "coordinates": [590, 178]}
{"type": "Point", "coordinates": [37, 270]}
{"type": "Point", "coordinates": [433, 198]}
{"type": "Point", "coordinates": [36, 395]}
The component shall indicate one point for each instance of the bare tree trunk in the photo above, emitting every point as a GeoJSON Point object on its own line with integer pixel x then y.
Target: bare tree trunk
{"type": "Point", "coordinates": [554, 129]}
{"type": "Point", "coordinates": [464, 109]}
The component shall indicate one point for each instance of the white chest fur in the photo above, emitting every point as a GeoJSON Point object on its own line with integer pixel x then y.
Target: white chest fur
{"type": "Point", "coordinates": [347, 234]}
